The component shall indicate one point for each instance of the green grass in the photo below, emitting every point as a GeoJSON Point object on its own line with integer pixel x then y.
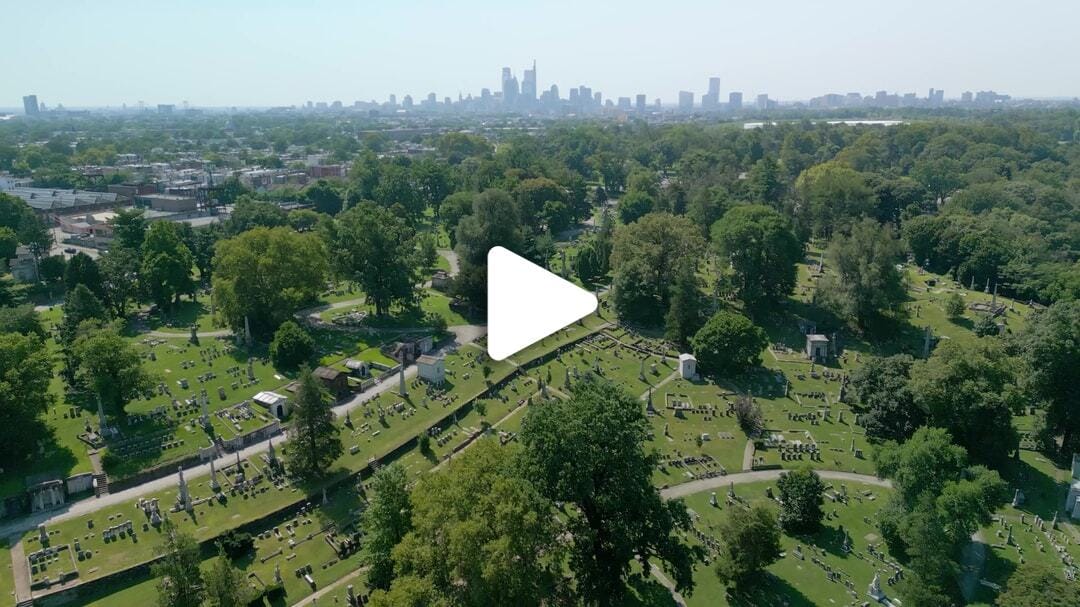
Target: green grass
{"type": "Point", "coordinates": [184, 314]}
{"type": "Point", "coordinates": [791, 581]}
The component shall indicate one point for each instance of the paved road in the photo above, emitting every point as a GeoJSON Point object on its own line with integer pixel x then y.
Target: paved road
{"type": "Point", "coordinates": [185, 334]}
{"type": "Point", "coordinates": [462, 334]}
{"type": "Point", "coordinates": [452, 259]}
{"type": "Point", "coordinates": [740, 478]}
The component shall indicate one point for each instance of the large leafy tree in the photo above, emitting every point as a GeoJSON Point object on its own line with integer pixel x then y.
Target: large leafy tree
{"type": "Point", "coordinates": [657, 245]}
{"type": "Point", "coordinates": [831, 196]}
{"type": "Point", "coordinates": [750, 543]}
{"type": "Point", "coordinates": [495, 220]}
{"type": "Point", "coordinates": [25, 372]}
{"type": "Point", "coordinates": [109, 366]}
{"type": "Point", "coordinates": [120, 279]}
{"type": "Point", "coordinates": [938, 502]}
{"type": "Point", "coordinates": [377, 249]}
{"type": "Point", "coordinates": [1036, 584]}
{"type": "Point", "coordinates": [225, 585]}
{"type": "Point", "coordinates": [588, 452]}
{"type": "Point", "coordinates": [291, 346]}
{"type": "Point", "coordinates": [80, 305]}
{"type": "Point", "coordinates": [686, 313]}
{"type": "Point", "coordinates": [863, 282]}
{"type": "Point", "coordinates": [267, 274]}
{"type": "Point", "coordinates": [180, 581]}
{"type": "Point", "coordinates": [482, 534]}
{"type": "Point", "coordinates": [728, 343]}
{"type": "Point", "coordinates": [166, 264]}
{"type": "Point", "coordinates": [881, 386]}
{"type": "Point", "coordinates": [324, 197]}
{"type": "Point", "coordinates": [82, 269]}
{"type": "Point", "coordinates": [801, 493]}
{"type": "Point", "coordinates": [762, 250]}
{"type": "Point", "coordinates": [314, 443]}
{"type": "Point", "coordinates": [386, 520]}
{"type": "Point", "coordinates": [968, 389]}
{"type": "Point", "coordinates": [1050, 350]}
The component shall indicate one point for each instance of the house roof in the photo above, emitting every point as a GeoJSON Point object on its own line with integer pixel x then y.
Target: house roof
{"type": "Point", "coordinates": [326, 373]}
{"type": "Point", "coordinates": [428, 360]}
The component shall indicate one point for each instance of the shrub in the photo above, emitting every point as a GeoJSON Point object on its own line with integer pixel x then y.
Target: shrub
{"type": "Point", "coordinates": [292, 346]}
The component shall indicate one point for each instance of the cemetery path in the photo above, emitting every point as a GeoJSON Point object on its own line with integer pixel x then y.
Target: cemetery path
{"type": "Point", "coordinates": [185, 335]}
{"type": "Point", "coordinates": [312, 599]}
{"type": "Point", "coordinates": [462, 334]}
{"type": "Point", "coordinates": [739, 478]}
{"type": "Point", "coordinates": [658, 573]}
{"type": "Point", "coordinates": [22, 576]}
{"type": "Point", "coordinates": [452, 259]}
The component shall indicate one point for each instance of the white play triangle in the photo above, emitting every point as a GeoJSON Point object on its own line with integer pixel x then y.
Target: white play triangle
{"type": "Point", "coordinates": [526, 303]}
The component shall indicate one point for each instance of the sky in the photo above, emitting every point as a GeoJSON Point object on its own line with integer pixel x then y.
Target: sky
{"type": "Point", "coordinates": [271, 52]}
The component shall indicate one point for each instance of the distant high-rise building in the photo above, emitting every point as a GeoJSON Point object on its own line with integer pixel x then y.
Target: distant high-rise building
{"type": "Point", "coordinates": [165, 108]}
{"type": "Point", "coordinates": [711, 99]}
{"type": "Point", "coordinates": [406, 102]}
{"type": "Point", "coordinates": [30, 105]}
{"type": "Point", "coordinates": [639, 103]}
{"type": "Point", "coordinates": [966, 97]}
{"type": "Point", "coordinates": [598, 99]}
{"type": "Point", "coordinates": [763, 101]}
{"type": "Point", "coordinates": [624, 103]}
{"type": "Point", "coordinates": [509, 87]}
{"type": "Point", "coordinates": [393, 100]}
{"type": "Point", "coordinates": [686, 101]}
{"type": "Point", "coordinates": [528, 85]}
{"type": "Point", "coordinates": [734, 101]}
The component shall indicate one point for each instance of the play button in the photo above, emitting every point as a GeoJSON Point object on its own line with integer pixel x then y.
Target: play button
{"type": "Point", "coordinates": [526, 303]}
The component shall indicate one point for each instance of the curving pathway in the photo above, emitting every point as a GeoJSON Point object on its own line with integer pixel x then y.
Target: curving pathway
{"type": "Point", "coordinates": [740, 478]}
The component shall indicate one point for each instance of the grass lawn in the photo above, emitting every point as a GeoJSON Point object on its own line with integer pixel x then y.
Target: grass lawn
{"type": "Point", "coordinates": [7, 577]}
{"type": "Point", "coordinates": [800, 582]}
{"type": "Point", "coordinates": [184, 314]}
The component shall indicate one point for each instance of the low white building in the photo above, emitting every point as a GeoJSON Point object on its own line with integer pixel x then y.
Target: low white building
{"type": "Point", "coordinates": [1072, 500]}
{"type": "Point", "coordinates": [275, 403]}
{"type": "Point", "coordinates": [432, 369]}
{"type": "Point", "coordinates": [687, 366]}
{"type": "Point", "coordinates": [817, 347]}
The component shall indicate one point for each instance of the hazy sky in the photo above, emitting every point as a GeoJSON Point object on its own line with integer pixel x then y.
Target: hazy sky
{"type": "Point", "coordinates": [271, 52]}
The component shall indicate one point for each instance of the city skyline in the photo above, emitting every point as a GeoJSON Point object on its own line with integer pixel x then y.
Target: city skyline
{"type": "Point", "coordinates": [245, 54]}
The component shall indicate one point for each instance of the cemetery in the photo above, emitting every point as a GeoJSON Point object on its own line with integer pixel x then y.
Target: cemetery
{"type": "Point", "coordinates": [834, 566]}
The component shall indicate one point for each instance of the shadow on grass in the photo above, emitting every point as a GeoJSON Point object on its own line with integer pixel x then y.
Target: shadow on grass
{"type": "Point", "coordinates": [1043, 495]}
{"type": "Point", "coordinates": [768, 592]}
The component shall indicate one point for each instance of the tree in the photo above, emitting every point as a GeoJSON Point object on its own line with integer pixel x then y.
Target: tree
{"type": "Point", "coordinates": [129, 229]}
{"type": "Point", "coordinates": [832, 196]}
{"type": "Point", "coordinates": [385, 521]}
{"type": "Point", "coordinates": [882, 386]}
{"type": "Point", "coordinates": [21, 319]}
{"type": "Point", "coordinates": [533, 194]}
{"type": "Point", "coordinates": [1038, 585]}
{"type": "Point", "coordinates": [291, 346]}
{"type": "Point", "coordinates": [250, 213]}
{"type": "Point", "coordinates": [79, 305]}
{"type": "Point", "coordinates": [762, 251]}
{"type": "Point", "coordinates": [764, 182]}
{"type": "Point", "coordinates": [653, 249]}
{"type": "Point", "coordinates": [452, 209]}
{"type": "Point", "coordinates": [377, 249]}
{"type": "Point", "coordinates": [482, 534]}
{"type": "Point", "coordinates": [968, 390]}
{"type": "Point", "coordinates": [324, 197]}
{"type": "Point", "coordinates": [634, 205]}
{"type": "Point", "coordinates": [315, 443]}
{"type": "Point", "coordinates": [588, 452]}
{"type": "Point", "coordinates": [225, 585]}
{"type": "Point", "coordinates": [938, 502]}
{"type": "Point", "coordinates": [9, 243]}
{"type": "Point", "coordinates": [729, 343]}
{"type": "Point", "coordinates": [25, 373]}
{"type": "Point", "coordinates": [119, 277]}
{"type": "Point", "coordinates": [1049, 348]}
{"type": "Point", "coordinates": [800, 500]}
{"type": "Point", "coordinates": [750, 543]}
{"type": "Point", "coordinates": [864, 281]}
{"type": "Point", "coordinates": [265, 275]}
{"type": "Point", "coordinates": [82, 269]}
{"type": "Point", "coordinates": [687, 310]}
{"type": "Point", "coordinates": [166, 264]}
{"type": "Point", "coordinates": [109, 365]}
{"type": "Point", "coordinates": [180, 581]}
{"type": "Point", "coordinates": [954, 306]}
{"type": "Point", "coordinates": [495, 221]}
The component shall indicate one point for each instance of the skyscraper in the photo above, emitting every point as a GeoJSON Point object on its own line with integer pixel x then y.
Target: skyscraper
{"type": "Point", "coordinates": [509, 87]}
{"type": "Point", "coordinates": [639, 103]}
{"type": "Point", "coordinates": [30, 105]}
{"type": "Point", "coordinates": [711, 100]}
{"type": "Point", "coordinates": [734, 101]}
{"type": "Point", "coordinates": [686, 101]}
{"type": "Point", "coordinates": [528, 86]}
